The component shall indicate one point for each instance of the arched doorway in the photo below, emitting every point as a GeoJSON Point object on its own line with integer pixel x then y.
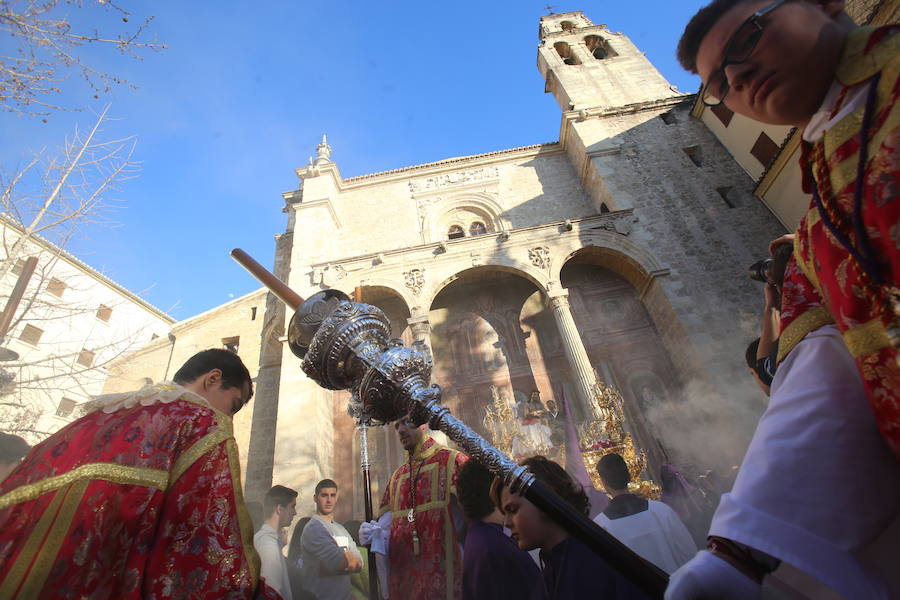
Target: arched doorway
{"type": "Point", "coordinates": [495, 342]}
{"type": "Point", "coordinates": [624, 348]}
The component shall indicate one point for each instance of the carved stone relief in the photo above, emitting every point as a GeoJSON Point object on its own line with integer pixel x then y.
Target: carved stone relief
{"type": "Point", "coordinates": [540, 257]}
{"type": "Point", "coordinates": [450, 179]}
{"type": "Point", "coordinates": [414, 280]}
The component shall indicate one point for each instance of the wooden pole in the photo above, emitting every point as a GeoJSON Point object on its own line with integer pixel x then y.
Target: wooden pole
{"type": "Point", "coordinates": [275, 285]}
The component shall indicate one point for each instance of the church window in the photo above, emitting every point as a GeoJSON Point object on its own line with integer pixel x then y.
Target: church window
{"type": "Point", "coordinates": [668, 118]}
{"type": "Point", "coordinates": [565, 52]}
{"type": "Point", "coordinates": [31, 335]}
{"type": "Point", "coordinates": [252, 313]}
{"type": "Point", "coordinates": [604, 208]}
{"type": "Point", "coordinates": [85, 358]}
{"type": "Point", "coordinates": [56, 287]}
{"type": "Point", "coordinates": [19, 267]}
{"type": "Point", "coordinates": [65, 408]}
{"type": "Point", "coordinates": [231, 343]}
{"type": "Point", "coordinates": [598, 47]}
{"type": "Point", "coordinates": [764, 150]}
{"type": "Point", "coordinates": [723, 113]}
{"type": "Point", "coordinates": [693, 153]}
{"type": "Point", "coordinates": [725, 194]}
{"type": "Point", "coordinates": [455, 232]}
{"type": "Point", "coordinates": [567, 26]}
{"type": "Point", "coordinates": [477, 228]}
{"type": "Point", "coordinates": [104, 313]}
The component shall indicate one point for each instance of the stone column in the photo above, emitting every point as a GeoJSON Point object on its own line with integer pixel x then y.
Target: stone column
{"type": "Point", "coordinates": [573, 346]}
{"type": "Point", "coordinates": [421, 330]}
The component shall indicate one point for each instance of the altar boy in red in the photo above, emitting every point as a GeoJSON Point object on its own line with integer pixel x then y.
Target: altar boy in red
{"type": "Point", "coordinates": [139, 499]}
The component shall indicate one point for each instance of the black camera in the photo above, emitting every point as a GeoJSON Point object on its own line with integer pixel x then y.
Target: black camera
{"type": "Point", "coordinates": [761, 270]}
{"type": "Point", "coordinates": [771, 270]}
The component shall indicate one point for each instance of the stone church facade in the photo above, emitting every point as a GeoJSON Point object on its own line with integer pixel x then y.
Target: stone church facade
{"type": "Point", "coordinates": [617, 254]}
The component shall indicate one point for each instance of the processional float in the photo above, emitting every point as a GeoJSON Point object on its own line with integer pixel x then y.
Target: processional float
{"type": "Point", "coordinates": [346, 345]}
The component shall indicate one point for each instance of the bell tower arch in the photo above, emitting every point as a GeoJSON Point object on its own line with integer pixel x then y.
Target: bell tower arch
{"type": "Point", "coordinates": [588, 66]}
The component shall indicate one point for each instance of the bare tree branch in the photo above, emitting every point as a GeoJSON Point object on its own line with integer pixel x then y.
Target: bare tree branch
{"type": "Point", "coordinates": [47, 52]}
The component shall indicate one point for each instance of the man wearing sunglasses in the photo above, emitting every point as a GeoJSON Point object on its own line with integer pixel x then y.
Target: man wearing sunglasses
{"type": "Point", "coordinates": [804, 63]}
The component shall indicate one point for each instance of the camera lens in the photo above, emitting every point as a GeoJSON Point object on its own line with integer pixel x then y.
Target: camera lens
{"type": "Point", "coordinates": [760, 270]}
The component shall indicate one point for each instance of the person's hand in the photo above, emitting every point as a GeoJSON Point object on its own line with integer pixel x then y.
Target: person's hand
{"type": "Point", "coordinates": [787, 238]}
{"type": "Point", "coordinates": [706, 577]}
{"type": "Point", "coordinates": [354, 562]}
{"type": "Point", "coordinates": [367, 532]}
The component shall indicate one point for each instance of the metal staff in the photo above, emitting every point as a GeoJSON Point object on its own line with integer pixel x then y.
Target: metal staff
{"type": "Point", "coordinates": [367, 498]}
{"type": "Point", "coordinates": [347, 345]}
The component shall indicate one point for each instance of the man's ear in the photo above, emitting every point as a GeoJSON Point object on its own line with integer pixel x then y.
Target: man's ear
{"type": "Point", "coordinates": [212, 379]}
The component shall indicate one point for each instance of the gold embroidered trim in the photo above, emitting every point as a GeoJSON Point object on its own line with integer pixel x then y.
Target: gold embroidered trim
{"type": "Point", "coordinates": [198, 449]}
{"type": "Point", "coordinates": [807, 266]}
{"type": "Point", "coordinates": [106, 471]}
{"type": "Point", "coordinates": [245, 525]}
{"type": "Point", "coordinates": [36, 579]}
{"type": "Point", "coordinates": [867, 338]}
{"type": "Point", "coordinates": [856, 65]}
{"type": "Point", "coordinates": [794, 333]}
{"type": "Point", "coordinates": [23, 561]}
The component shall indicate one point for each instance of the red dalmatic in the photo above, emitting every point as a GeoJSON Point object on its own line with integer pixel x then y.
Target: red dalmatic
{"type": "Point", "coordinates": [846, 264]}
{"type": "Point", "coordinates": [424, 550]}
{"type": "Point", "coordinates": [141, 498]}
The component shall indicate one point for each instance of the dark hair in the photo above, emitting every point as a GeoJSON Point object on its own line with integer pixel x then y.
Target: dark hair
{"type": "Point", "coordinates": [698, 27]}
{"type": "Point", "coordinates": [614, 472]}
{"type": "Point", "coordinates": [750, 355]}
{"type": "Point", "coordinates": [352, 528]}
{"type": "Point", "coordinates": [473, 487]}
{"type": "Point", "coordinates": [12, 448]}
{"type": "Point", "coordinates": [277, 496]}
{"type": "Point", "coordinates": [554, 477]}
{"type": "Point", "coordinates": [234, 373]}
{"type": "Point", "coordinates": [294, 548]}
{"type": "Point", "coordinates": [325, 483]}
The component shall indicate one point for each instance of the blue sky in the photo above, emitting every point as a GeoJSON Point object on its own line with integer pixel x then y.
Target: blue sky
{"type": "Point", "coordinates": [246, 90]}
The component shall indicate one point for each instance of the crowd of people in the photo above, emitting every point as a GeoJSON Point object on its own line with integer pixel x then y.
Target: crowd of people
{"type": "Point", "coordinates": [142, 497]}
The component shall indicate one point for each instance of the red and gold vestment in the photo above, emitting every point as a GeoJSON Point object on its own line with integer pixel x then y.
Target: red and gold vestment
{"type": "Point", "coordinates": [140, 498]}
{"type": "Point", "coordinates": [426, 484]}
{"type": "Point", "coordinates": [846, 263]}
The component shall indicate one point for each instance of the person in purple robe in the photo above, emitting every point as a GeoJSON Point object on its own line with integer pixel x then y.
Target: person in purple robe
{"type": "Point", "coordinates": [493, 564]}
{"type": "Point", "coordinates": [569, 568]}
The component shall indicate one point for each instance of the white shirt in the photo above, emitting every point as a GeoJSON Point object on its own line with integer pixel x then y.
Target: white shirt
{"type": "Point", "coordinates": [274, 566]}
{"type": "Point", "coordinates": [656, 534]}
{"type": "Point", "coordinates": [817, 484]}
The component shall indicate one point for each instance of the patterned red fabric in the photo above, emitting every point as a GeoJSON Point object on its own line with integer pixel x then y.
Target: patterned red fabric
{"type": "Point", "coordinates": [436, 572]}
{"type": "Point", "coordinates": [140, 502]}
{"type": "Point", "coordinates": [828, 274]}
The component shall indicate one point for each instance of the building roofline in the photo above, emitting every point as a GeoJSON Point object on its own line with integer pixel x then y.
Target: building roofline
{"type": "Point", "coordinates": [450, 161]}
{"type": "Point", "coordinates": [5, 220]}
{"type": "Point", "coordinates": [216, 308]}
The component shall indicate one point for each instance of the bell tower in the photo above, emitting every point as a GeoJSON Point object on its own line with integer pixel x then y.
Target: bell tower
{"type": "Point", "coordinates": [587, 66]}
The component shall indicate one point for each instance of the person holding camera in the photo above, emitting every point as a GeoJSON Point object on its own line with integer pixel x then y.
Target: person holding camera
{"type": "Point", "coordinates": [797, 495]}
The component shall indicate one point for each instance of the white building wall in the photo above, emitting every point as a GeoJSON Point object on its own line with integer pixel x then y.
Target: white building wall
{"type": "Point", "coordinates": [48, 371]}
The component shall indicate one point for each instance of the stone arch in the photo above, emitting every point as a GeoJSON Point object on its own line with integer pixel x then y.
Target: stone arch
{"type": "Point", "coordinates": [504, 264]}
{"type": "Point", "coordinates": [383, 285]}
{"type": "Point", "coordinates": [618, 254]}
{"type": "Point", "coordinates": [478, 205]}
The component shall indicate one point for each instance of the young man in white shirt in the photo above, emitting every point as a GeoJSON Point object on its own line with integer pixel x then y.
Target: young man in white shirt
{"type": "Point", "coordinates": [328, 551]}
{"type": "Point", "coordinates": [280, 504]}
